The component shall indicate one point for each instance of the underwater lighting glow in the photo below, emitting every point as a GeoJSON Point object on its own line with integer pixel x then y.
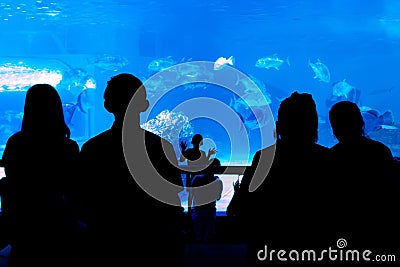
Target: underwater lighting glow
{"type": "Point", "coordinates": [17, 77]}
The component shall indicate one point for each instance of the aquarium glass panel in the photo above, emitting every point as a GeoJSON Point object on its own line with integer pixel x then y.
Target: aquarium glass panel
{"type": "Point", "coordinates": [219, 68]}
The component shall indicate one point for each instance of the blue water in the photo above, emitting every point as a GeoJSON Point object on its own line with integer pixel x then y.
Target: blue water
{"type": "Point", "coordinates": [90, 41]}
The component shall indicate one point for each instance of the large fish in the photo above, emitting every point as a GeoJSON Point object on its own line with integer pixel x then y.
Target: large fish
{"type": "Point", "coordinates": [321, 71]}
{"type": "Point", "coordinates": [387, 134]}
{"type": "Point", "coordinates": [83, 103]}
{"type": "Point", "coordinates": [164, 63]}
{"type": "Point", "coordinates": [271, 62]}
{"type": "Point", "coordinates": [161, 64]}
{"type": "Point", "coordinates": [383, 91]}
{"type": "Point", "coordinates": [109, 62]}
{"type": "Point", "coordinates": [343, 88]}
{"type": "Point", "coordinates": [222, 62]}
{"type": "Point", "coordinates": [253, 117]}
{"type": "Point", "coordinates": [254, 91]}
{"type": "Point", "coordinates": [189, 72]}
{"type": "Point", "coordinates": [374, 120]}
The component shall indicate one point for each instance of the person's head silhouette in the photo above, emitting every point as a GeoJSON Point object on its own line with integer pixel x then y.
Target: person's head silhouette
{"type": "Point", "coordinates": [197, 140]}
{"type": "Point", "coordinates": [346, 121]}
{"type": "Point", "coordinates": [119, 92]}
{"type": "Point", "coordinates": [43, 113]}
{"type": "Point", "coordinates": [297, 119]}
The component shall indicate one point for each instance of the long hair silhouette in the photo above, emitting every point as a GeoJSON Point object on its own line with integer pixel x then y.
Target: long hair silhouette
{"type": "Point", "coordinates": [43, 113]}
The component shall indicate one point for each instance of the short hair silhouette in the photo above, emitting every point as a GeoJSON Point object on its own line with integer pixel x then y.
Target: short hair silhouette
{"type": "Point", "coordinates": [43, 112]}
{"type": "Point", "coordinates": [119, 92]}
{"type": "Point", "coordinates": [346, 120]}
{"type": "Point", "coordinates": [298, 118]}
{"type": "Point", "coordinates": [196, 139]}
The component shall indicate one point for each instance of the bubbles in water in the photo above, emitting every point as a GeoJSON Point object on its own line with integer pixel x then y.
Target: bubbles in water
{"type": "Point", "coordinates": [170, 125]}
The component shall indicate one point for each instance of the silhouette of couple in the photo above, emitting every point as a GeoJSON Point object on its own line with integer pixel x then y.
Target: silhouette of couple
{"type": "Point", "coordinates": [313, 195]}
{"type": "Point", "coordinates": [67, 207]}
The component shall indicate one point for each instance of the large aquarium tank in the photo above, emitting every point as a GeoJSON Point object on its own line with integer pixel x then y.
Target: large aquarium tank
{"type": "Point", "coordinates": [218, 68]}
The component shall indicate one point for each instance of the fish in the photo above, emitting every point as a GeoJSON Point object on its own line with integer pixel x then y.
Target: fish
{"type": "Point", "coordinates": [161, 64]}
{"type": "Point", "coordinates": [164, 63]}
{"type": "Point", "coordinates": [188, 72]}
{"type": "Point", "coordinates": [257, 99]}
{"type": "Point", "coordinates": [374, 120]}
{"type": "Point", "coordinates": [271, 62]}
{"type": "Point", "coordinates": [321, 71]}
{"type": "Point", "coordinates": [343, 88]}
{"type": "Point", "coordinates": [82, 104]}
{"type": "Point", "coordinates": [382, 91]}
{"type": "Point", "coordinates": [253, 90]}
{"type": "Point", "coordinates": [387, 134]}
{"type": "Point", "coordinates": [252, 117]}
{"type": "Point", "coordinates": [108, 62]}
{"type": "Point", "coordinates": [222, 62]}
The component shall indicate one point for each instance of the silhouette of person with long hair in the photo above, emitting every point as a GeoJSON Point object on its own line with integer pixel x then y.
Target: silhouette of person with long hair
{"type": "Point", "coordinates": [284, 213]}
{"type": "Point", "coordinates": [126, 225]}
{"type": "Point", "coordinates": [39, 163]}
{"type": "Point", "coordinates": [364, 181]}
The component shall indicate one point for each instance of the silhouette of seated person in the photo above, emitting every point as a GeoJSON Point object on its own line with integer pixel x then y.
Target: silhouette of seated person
{"type": "Point", "coordinates": [39, 163]}
{"type": "Point", "coordinates": [365, 182]}
{"type": "Point", "coordinates": [204, 199]}
{"type": "Point", "coordinates": [126, 225]}
{"type": "Point", "coordinates": [285, 211]}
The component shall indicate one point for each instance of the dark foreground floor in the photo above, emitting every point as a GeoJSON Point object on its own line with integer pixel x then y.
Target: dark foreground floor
{"type": "Point", "coordinates": [227, 250]}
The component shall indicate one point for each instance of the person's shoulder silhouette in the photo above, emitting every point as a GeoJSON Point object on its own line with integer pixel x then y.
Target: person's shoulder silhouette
{"type": "Point", "coordinates": [43, 143]}
{"type": "Point", "coordinates": [281, 211]}
{"type": "Point", "coordinates": [365, 179]}
{"type": "Point", "coordinates": [131, 212]}
{"type": "Point", "coordinates": [297, 135]}
{"type": "Point", "coordinates": [299, 162]}
{"type": "Point", "coordinates": [39, 163]}
{"type": "Point", "coordinates": [361, 156]}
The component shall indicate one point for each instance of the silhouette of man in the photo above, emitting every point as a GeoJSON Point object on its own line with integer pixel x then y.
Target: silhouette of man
{"type": "Point", "coordinates": [125, 224]}
{"type": "Point", "coordinates": [364, 181]}
{"type": "Point", "coordinates": [283, 212]}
